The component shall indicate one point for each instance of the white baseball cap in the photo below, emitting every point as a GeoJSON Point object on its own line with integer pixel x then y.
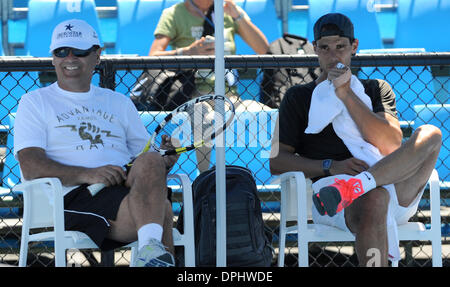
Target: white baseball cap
{"type": "Point", "coordinates": [74, 33]}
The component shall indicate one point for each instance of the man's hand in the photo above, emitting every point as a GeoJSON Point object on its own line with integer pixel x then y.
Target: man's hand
{"type": "Point", "coordinates": [231, 8]}
{"type": "Point", "coordinates": [168, 144]}
{"type": "Point", "coordinates": [108, 175]}
{"type": "Point", "coordinates": [201, 47]}
{"type": "Point", "coordinates": [340, 76]}
{"type": "Point", "coordinates": [351, 166]}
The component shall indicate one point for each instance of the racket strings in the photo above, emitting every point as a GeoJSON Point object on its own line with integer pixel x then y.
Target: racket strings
{"type": "Point", "coordinates": [213, 116]}
{"type": "Point", "coordinates": [196, 124]}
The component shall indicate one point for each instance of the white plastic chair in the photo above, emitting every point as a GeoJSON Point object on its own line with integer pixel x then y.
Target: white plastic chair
{"type": "Point", "coordinates": [298, 208]}
{"type": "Point", "coordinates": [39, 213]}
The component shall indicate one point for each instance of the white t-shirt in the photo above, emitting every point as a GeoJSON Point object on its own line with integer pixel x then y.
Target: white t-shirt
{"type": "Point", "coordinates": [89, 129]}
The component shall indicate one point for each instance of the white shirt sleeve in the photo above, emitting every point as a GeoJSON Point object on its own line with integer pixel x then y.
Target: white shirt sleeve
{"type": "Point", "coordinates": [137, 134]}
{"type": "Point", "coordinates": [29, 126]}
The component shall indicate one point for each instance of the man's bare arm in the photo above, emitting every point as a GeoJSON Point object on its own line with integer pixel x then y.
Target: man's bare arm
{"type": "Point", "coordinates": [283, 159]}
{"type": "Point", "coordinates": [380, 129]}
{"type": "Point", "coordinates": [34, 163]}
{"type": "Point", "coordinates": [286, 160]}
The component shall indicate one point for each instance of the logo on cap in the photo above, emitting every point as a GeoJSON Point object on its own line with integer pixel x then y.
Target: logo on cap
{"type": "Point", "coordinates": [68, 33]}
{"type": "Point", "coordinates": [69, 27]}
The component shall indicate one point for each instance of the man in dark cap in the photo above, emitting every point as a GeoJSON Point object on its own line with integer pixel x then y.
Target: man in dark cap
{"type": "Point", "coordinates": [344, 134]}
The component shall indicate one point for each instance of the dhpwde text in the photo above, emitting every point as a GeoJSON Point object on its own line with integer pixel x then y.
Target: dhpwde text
{"type": "Point", "coordinates": [225, 276]}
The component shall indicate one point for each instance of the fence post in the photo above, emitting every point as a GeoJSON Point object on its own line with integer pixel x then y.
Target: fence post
{"type": "Point", "coordinates": [107, 80]}
{"type": "Point", "coordinates": [107, 74]}
{"type": "Point", "coordinates": [4, 15]}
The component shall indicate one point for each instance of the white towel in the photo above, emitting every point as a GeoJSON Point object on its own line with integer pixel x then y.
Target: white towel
{"type": "Point", "coordinates": [327, 108]}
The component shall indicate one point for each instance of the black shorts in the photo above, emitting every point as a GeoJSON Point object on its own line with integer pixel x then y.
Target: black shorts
{"type": "Point", "coordinates": [91, 214]}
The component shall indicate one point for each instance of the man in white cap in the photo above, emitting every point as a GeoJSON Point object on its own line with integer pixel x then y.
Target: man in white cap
{"type": "Point", "coordinates": [83, 134]}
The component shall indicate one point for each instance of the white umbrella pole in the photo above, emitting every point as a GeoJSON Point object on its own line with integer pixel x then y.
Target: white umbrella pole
{"type": "Point", "coordinates": [221, 258]}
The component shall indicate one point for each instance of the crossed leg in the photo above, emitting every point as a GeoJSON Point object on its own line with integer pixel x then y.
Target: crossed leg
{"type": "Point", "coordinates": [146, 202]}
{"type": "Point", "coordinates": [409, 168]}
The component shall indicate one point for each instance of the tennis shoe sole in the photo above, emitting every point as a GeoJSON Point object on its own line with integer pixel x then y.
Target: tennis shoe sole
{"type": "Point", "coordinates": [330, 197]}
{"type": "Point", "coordinates": [327, 200]}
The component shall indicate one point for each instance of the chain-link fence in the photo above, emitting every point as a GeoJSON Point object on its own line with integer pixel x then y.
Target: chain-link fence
{"type": "Point", "coordinates": [420, 81]}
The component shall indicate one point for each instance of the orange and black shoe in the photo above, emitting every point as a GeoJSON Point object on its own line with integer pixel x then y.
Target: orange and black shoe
{"type": "Point", "coordinates": [333, 198]}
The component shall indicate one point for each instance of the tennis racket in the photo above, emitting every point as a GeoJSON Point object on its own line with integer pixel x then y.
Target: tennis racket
{"type": "Point", "coordinates": [190, 126]}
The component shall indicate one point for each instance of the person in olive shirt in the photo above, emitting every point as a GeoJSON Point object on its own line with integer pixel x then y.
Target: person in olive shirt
{"type": "Point", "coordinates": [182, 26]}
{"type": "Point", "coordinates": [324, 157]}
{"type": "Point", "coordinates": [188, 27]}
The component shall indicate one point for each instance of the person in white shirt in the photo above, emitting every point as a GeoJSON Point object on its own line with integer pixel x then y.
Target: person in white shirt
{"type": "Point", "coordinates": [83, 134]}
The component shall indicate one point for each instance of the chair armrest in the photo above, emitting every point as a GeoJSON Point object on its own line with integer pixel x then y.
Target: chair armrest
{"type": "Point", "coordinates": [32, 189]}
{"type": "Point", "coordinates": [435, 200]}
{"type": "Point", "coordinates": [293, 191]}
{"type": "Point", "coordinates": [25, 186]}
{"type": "Point", "coordinates": [188, 205]}
{"type": "Point", "coordinates": [30, 186]}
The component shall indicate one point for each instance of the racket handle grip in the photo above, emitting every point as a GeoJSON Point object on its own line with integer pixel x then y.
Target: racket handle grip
{"type": "Point", "coordinates": [95, 188]}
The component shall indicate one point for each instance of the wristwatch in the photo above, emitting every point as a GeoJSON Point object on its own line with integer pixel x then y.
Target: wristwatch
{"type": "Point", "coordinates": [240, 17]}
{"type": "Point", "coordinates": [326, 165]}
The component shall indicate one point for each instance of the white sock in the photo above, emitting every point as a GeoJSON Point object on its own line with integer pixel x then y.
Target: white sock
{"type": "Point", "coordinates": [147, 232]}
{"type": "Point", "coordinates": [367, 180]}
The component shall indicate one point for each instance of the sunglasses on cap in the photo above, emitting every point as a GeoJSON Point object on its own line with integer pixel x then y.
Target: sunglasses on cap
{"type": "Point", "coordinates": [64, 52]}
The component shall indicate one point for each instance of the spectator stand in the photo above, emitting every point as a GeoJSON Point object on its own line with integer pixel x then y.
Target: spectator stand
{"type": "Point", "coordinates": [422, 24]}
{"type": "Point", "coordinates": [412, 84]}
{"type": "Point", "coordinates": [40, 25]}
{"type": "Point", "coordinates": [439, 116]}
{"type": "Point", "coordinates": [263, 14]}
{"type": "Point", "coordinates": [2, 53]}
{"type": "Point", "coordinates": [136, 22]}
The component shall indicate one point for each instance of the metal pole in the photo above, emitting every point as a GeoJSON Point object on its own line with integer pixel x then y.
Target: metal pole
{"type": "Point", "coordinates": [221, 258]}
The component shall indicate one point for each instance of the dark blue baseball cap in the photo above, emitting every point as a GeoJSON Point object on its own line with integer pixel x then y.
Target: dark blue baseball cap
{"type": "Point", "coordinates": [344, 27]}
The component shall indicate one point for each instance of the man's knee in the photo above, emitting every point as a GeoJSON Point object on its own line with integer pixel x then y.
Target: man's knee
{"type": "Point", "coordinates": [149, 169]}
{"type": "Point", "coordinates": [368, 211]}
{"type": "Point", "coordinates": [151, 163]}
{"type": "Point", "coordinates": [429, 134]}
{"type": "Point", "coordinates": [377, 201]}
